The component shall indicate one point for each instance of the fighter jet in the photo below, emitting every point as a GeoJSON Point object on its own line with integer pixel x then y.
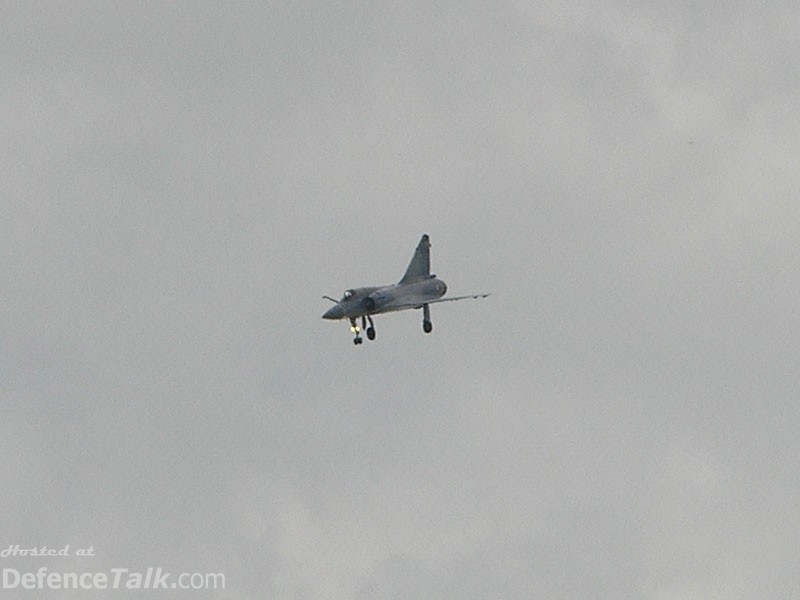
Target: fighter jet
{"type": "Point", "coordinates": [418, 288]}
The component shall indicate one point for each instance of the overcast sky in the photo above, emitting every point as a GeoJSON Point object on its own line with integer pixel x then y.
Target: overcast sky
{"type": "Point", "coordinates": [182, 181]}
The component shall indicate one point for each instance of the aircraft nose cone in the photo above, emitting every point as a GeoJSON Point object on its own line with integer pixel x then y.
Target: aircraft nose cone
{"type": "Point", "coordinates": [334, 312]}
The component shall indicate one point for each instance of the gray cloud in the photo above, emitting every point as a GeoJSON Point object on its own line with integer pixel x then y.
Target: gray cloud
{"type": "Point", "coordinates": [616, 421]}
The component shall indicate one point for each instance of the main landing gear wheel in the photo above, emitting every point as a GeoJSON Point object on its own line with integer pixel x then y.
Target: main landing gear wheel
{"type": "Point", "coordinates": [427, 326]}
{"type": "Point", "coordinates": [371, 329]}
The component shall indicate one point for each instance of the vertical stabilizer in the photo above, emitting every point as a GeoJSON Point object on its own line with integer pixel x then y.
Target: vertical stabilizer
{"type": "Point", "coordinates": [420, 265]}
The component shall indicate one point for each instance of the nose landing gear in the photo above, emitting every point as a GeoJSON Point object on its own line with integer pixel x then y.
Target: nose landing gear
{"type": "Point", "coordinates": [357, 330]}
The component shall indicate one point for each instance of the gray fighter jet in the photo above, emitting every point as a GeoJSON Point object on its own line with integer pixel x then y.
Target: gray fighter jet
{"type": "Point", "coordinates": [418, 288]}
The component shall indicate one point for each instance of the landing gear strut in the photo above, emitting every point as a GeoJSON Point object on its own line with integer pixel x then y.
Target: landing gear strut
{"type": "Point", "coordinates": [427, 326]}
{"type": "Point", "coordinates": [357, 330]}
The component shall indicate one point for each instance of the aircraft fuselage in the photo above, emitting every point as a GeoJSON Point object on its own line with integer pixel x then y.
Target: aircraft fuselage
{"type": "Point", "coordinates": [374, 300]}
{"type": "Point", "coordinates": [418, 288]}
